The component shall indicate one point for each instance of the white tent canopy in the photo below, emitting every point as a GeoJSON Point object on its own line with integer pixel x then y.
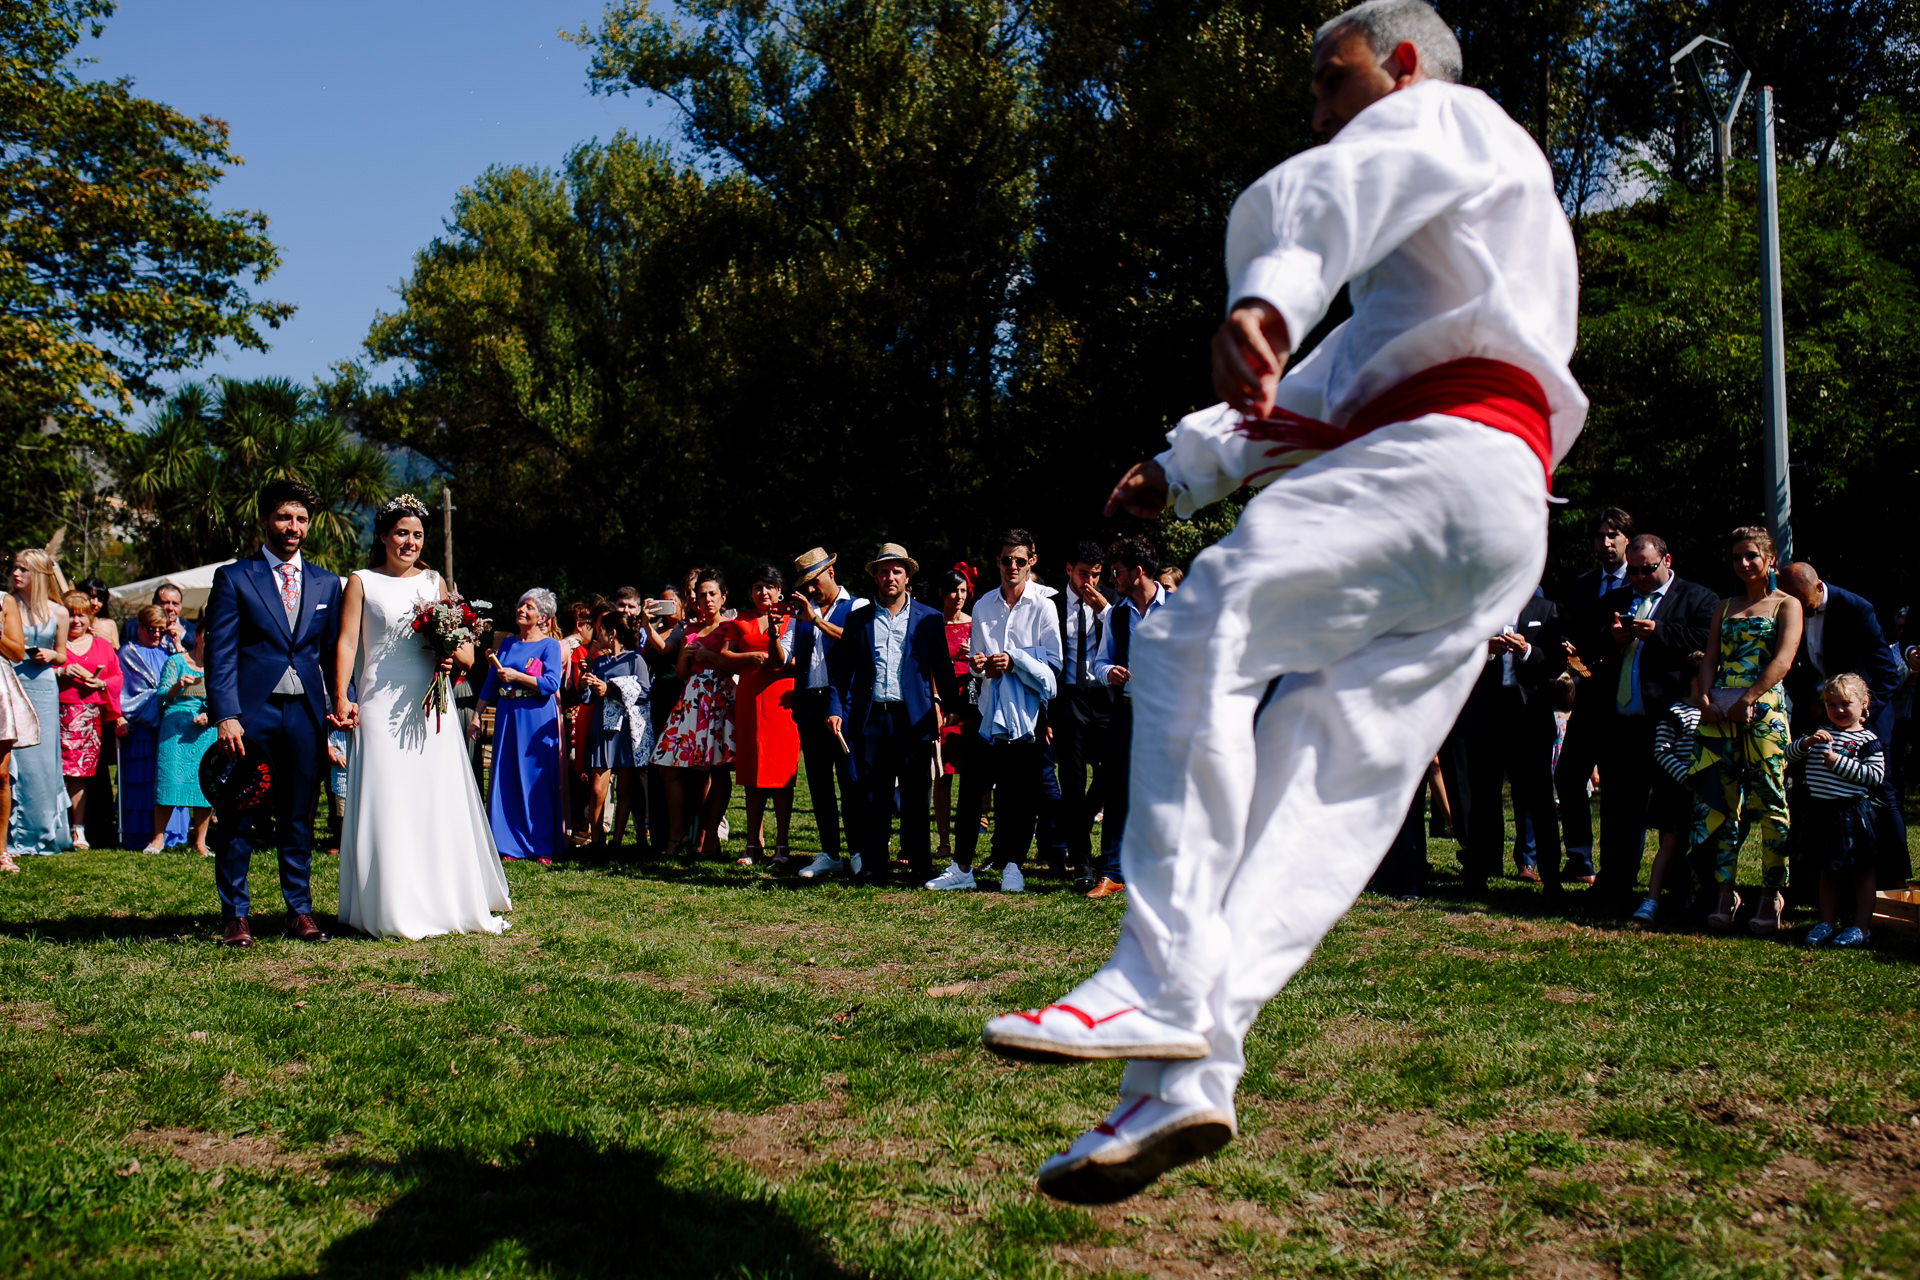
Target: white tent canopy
{"type": "Point", "coordinates": [194, 586]}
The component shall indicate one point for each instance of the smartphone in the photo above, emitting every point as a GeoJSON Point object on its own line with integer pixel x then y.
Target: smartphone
{"type": "Point", "coordinates": [659, 608]}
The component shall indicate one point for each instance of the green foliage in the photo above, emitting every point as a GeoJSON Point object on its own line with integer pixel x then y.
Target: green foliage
{"type": "Point", "coordinates": [193, 476]}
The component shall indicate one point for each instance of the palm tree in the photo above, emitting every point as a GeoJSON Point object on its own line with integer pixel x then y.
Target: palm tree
{"type": "Point", "coordinates": [193, 474]}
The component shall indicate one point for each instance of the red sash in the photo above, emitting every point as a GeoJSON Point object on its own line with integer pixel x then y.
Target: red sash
{"type": "Point", "coordinates": [1491, 392]}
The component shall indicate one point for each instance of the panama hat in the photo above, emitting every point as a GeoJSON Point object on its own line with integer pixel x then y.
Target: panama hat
{"type": "Point", "coordinates": [810, 565]}
{"type": "Point", "coordinates": [893, 551]}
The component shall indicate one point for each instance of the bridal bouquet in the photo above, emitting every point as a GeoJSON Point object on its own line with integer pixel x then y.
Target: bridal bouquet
{"type": "Point", "coordinates": [443, 626]}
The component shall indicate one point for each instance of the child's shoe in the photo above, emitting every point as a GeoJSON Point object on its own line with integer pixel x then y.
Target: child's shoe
{"type": "Point", "coordinates": [1645, 912]}
{"type": "Point", "coordinates": [1819, 933]}
{"type": "Point", "coordinates": [1852, 936]}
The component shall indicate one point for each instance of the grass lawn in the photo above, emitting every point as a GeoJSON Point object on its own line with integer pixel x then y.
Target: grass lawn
{"type": "Point", "coordinates": [705, 1071]}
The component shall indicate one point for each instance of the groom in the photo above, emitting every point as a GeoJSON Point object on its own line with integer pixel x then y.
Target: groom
{"type": "Point", "coordinates": [270, 620]}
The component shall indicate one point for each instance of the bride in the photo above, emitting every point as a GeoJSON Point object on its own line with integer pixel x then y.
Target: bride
{"type": "Point", "coordinates": [417, 857]}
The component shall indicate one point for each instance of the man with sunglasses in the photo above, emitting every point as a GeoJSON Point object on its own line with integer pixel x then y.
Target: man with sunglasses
{"type": "Point", "coordinates": [1015, 649]}
{"type": "Point", "coordinates": [1288, 699]}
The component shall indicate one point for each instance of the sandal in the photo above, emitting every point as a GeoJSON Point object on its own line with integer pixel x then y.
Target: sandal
{"type": "Point", "coordinates": [752, 854]}
{"type": "Point", "coordinates": [1762, 925]}
{"type": "Point", "coordinates": [1722, 920]}
{"type": "Point", "coordinates": [7, 865]}
{"type": "Point", "coordinates": [781, 858]}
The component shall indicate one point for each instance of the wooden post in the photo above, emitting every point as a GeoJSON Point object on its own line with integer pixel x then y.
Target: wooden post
{"type": "Point", "coordinates": [446, 534]}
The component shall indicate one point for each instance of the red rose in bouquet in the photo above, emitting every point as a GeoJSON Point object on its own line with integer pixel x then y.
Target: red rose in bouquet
{"type": "Point", "coordinates": [443, 626]}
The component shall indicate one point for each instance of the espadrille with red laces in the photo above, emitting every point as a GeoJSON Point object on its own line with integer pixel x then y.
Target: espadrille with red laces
{"type": "Point", "coordinates": [1069, 1033]}
{"type": "Point", "coordinates": [1139, 1140]}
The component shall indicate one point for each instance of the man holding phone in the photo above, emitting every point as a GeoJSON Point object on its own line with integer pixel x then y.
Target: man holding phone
{"type": "Point", "coordinates": [820, 606]}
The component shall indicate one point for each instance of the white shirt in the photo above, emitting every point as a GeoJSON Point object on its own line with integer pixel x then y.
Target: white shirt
{"type": "Point", "coordinates": [1081, 616]}
{"type": "Point", "coordinates": [289, 682]}
{"type": "Point", "coordinates": [1028, 633]}
{"type": "Point", "coordinates": [1813, 634]}
{"type": "Point", "coordinates": [817, 661]}
{"type": "Point", "coordinates": [1104, 662]}
{"type": "Point", "coordinates": [1440, 213]}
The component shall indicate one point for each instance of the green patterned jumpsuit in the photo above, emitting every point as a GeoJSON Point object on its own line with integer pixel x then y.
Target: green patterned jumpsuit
{"type": "Point", "coordinates": [1736, 765]}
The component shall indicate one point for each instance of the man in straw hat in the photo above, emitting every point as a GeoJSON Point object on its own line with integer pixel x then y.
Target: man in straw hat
{"type": "Point", "coordinates": [889, 677]}
{"type": "Point", "coordinates": [1288, 699]}
{"type": "Point", "coordinates": [820, 605]}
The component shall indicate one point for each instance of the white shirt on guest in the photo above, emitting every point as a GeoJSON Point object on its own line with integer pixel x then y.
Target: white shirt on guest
{"type": "Point", "coordinates": [1029, 634]}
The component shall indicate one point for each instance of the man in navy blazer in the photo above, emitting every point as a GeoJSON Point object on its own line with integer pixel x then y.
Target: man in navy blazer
{"type": "Point", "coordinates": [1841, 633]}
{"type": "Point", "coordinates": [271, 621]}
{"type": "Point", "coordinates": [888, 677]}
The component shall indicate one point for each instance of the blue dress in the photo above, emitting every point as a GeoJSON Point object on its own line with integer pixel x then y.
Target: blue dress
{"type": "Point", "coordinates": [616, 725]}
{"type": "Point", "coordinates": [39, 821]}
{"type": "Point", "coordinates": [182, 742]}
{"type": "Point", "coordinates": [140, 668]}
{"type": "Point", "coordinates": [524, 805]}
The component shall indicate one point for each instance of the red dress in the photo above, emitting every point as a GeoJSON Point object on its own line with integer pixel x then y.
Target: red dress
{"type": "Point", "coordinates": [766, 749]}
{"type": "Point", "coordinates": [953, 737]}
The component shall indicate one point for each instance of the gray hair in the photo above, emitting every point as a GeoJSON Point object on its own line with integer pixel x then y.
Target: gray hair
{"type": "Point", "coordinates": [542, 600]}
{"type": "Point", "coordinates": [1387, 24]}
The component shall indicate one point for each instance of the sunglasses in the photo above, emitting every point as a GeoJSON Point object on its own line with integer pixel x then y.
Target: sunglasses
{"type": "Point", "coordinates": [1014, 562]}
{"type": "Point", "coordinates": [1642, 570]}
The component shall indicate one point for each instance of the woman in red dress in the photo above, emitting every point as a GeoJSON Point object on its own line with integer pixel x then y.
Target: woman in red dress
{"type": "Point", "coordinates": [956, 592]}
{"type": "Point", "coordinates": [766, 751]}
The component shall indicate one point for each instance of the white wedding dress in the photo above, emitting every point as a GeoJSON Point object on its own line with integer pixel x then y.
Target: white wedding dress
{"type": "Point", "coordinates": [417, 857]}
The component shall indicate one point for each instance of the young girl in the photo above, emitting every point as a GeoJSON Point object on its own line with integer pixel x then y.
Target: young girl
{"type": "Point", "coordinates": [1671, 807]}
{"type": "Point", "coordinates": [1743, 737]}
{"type": "Point", "coordinates": [620, 724]}
{"type": "Point", "coordinates": [1835, 820]}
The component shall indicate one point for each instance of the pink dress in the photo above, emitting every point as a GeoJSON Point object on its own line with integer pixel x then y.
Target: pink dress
{"type": "Point", "coordinates": [80, 709]}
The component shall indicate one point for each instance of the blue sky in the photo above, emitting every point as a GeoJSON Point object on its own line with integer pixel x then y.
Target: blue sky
{"type": "Point", "coordinates": [358, 122]}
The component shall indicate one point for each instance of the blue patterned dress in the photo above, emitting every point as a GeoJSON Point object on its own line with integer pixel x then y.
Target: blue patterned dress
{"type": "Point", "coordinates": [140, 668]}
{"type": "Point", "coordinates": [182, 742]}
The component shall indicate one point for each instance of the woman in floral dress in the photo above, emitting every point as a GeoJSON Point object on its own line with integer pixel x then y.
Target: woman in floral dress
{"type": "Point", "coordinates": [1741, 745]}
{"type": "Point", "coordinates": [695, 748]}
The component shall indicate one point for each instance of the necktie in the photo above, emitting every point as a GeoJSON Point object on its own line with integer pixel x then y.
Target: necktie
{"type": "Point", "coordinates": [1630, 660]}
{"type": "Point", "coordinates": [1080, 671]}
{"type": "Point", "coordinates": [289, 592]}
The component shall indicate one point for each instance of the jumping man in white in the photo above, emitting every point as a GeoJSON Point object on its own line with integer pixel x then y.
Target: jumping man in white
{"type": "Point", "coordinates": [1406, 522]}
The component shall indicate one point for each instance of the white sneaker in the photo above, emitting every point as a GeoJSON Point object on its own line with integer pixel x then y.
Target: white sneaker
{"type": "Point", "coordinates": [1139, 1140]}
{"type": "Point", "coordinates": [824, 865]}
{"type": "Point", "coordinates": [952, 878]}
{"type": "Point", "coordinates": [1011, 881]}
{"type": "Point", "coordinates": [853, 861]}
{"type": "Point", "coordinates": [1067, 1033]}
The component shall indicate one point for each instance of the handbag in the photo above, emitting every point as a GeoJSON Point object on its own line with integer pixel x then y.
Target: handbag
{"type": "Point", "coordinates": [19, 709]}
{"type": "Point", "coordinates": [1723, 699]}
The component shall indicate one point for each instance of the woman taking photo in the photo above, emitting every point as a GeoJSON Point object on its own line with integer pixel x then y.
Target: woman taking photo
{"type": "Point", "coordinates": [416, 858]}
{"type": "Point", "coordinates": [185, 736]}
{"type": "Point", "coordinates": [526, 804]}
{"type": "Point", "coordinates": [1740, 758]}
{"type": "Point", "coordinates": [89, 707]}
{"type": "Point", "coordinates": [766, 743]}
{"type": "Point", "coordinates": [695, 748]}
{"type": "Point", "coordinates": [39, 821]}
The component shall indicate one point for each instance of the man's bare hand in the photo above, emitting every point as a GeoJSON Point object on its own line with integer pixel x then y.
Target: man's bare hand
{"type": "Point", "coordinates": [997, 664]}
{"type": "Point", "coordinates": [229, 739]}
{"type": "Point", "coordinates": [1141, 492]}
{"type": "Point", "coordinates": [1249, 352]}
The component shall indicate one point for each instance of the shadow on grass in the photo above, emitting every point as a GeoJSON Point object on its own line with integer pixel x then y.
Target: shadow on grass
{"type": "Point", "coordinates": [570, 1209]}
{"type": "Point", "coordinates": [198, 927]}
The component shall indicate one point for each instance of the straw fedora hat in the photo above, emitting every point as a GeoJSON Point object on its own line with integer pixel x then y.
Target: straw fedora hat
{"type": "Point", "coordinates": [810, 564]}
{"type": "Point", "coordinates": [893, 551]}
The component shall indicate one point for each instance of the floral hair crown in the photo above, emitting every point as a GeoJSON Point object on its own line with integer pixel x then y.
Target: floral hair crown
{"type": "Point", "coordinates": [405, 502]}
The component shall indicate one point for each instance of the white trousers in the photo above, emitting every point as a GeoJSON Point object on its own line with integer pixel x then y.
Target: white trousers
{"type": "Point", "coordinates": [1367, 582]}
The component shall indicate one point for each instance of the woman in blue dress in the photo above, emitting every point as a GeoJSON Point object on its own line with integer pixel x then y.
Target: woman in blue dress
{"type": "Point", "coordinates": [142, 659]}
{"type": "Point", "coordinates": [38, 823]}
{"type": "Point", "coordinates": [524, 804]}
{"type": "Point", "coordinates": [185, 736]}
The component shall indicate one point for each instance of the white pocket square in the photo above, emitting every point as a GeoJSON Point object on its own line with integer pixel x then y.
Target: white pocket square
{"type": "Point", "coordinates": [1531, 624]}
{"type": "Point", "coordinates": [317, 608]}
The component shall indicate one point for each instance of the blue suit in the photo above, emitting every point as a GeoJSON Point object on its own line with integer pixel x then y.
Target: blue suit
{"type": "Point", "coordinates": [892, 742]}
{"type": "Point", "coordinates": [250, 645]}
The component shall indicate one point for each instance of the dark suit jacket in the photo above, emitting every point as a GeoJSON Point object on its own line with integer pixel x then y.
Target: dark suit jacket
{"type": "Point", "coordinates": [250, 645]}
{"type": "Point", "coordinates": [1582, 618]}
{"type": "Point", "coordinates": [1534, 674]}
{"type": "Point", "coordinates": [1682, 622]}
{"type": "Point", "coordinates": [1851, 641]}
{"type": "Point", "coordinates": [924, 669]}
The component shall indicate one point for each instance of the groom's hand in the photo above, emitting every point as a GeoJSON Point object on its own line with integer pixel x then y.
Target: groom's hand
{"type": "Point", "coordinates": [346, 715]}
{"type": "Point", "coordinates": [230, 734]}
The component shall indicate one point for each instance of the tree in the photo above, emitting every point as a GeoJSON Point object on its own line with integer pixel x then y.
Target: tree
{"type": "Point", "coordinates": [114, 269]}
{"type": "Point", "coordinates": [193, 476]}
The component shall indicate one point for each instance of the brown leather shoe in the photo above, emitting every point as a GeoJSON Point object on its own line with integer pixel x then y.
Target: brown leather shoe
{"type": "Point", "coordinates": [1527, 875]}
{"type": "Point", "coordinates": [1107, 886]}
{"type": "Point", "coordinates": [236, 934]}
{"type": "Point", "coordinates": [303, 928]}
{"type": "Point", "coordinates": [1584, 879]}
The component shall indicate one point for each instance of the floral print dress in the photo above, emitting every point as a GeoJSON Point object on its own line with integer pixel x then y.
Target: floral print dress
{"type": "Point", "coordinates": [1736, 766]}
{"type": "Point", "coordinates": [699, 732]}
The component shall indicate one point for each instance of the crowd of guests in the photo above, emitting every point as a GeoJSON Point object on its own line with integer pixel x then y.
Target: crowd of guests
{"type": "Point", "coordinates": [1771, 713]}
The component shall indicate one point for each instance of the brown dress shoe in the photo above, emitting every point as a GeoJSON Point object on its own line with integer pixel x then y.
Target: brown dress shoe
{"type": "Point", "coordinates": [1108, 885]}
{"type": "Point", "coordinates": [236, 934]}
{"type": "Point", "coordinates": [303, 928]}
{"type": "Point", "coordinates": [1528, 875]}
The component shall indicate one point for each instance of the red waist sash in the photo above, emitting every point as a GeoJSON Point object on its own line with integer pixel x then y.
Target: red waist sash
{"type": "Point", "coordinates": [1491, 392]}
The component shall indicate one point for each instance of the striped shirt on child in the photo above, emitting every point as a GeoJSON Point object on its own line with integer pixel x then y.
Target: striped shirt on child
{"type": "Point", "coordinates": [1861, 765]}
{"type": "Point", "coordinates": [1673, 741]}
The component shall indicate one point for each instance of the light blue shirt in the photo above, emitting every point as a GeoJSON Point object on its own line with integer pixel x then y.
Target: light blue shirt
{"type": "Point", "coordinates": [1102, 662]}
{"type": "Point", "coordinates": [889, 649]}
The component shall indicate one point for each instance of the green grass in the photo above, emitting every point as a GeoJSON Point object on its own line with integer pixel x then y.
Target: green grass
{"type": "Point", "coordinates": [704, 1071]}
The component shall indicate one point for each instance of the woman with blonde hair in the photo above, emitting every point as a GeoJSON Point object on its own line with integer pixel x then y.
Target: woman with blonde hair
{"type": "Point", "coordinates": [38, 823]}
{"type": "Point", "coordinates": [89, 707]}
